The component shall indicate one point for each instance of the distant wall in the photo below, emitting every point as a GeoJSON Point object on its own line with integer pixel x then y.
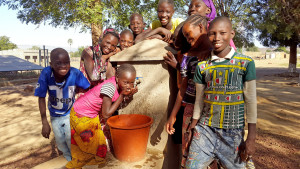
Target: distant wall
{"type": "Point", "coordinates": [267, 55]}
{"type": "Point", "coordinates": [26, 54]}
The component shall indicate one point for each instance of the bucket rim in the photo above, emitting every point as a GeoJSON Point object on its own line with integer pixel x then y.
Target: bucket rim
{"type": "Point", "coordinates": [148, 124]}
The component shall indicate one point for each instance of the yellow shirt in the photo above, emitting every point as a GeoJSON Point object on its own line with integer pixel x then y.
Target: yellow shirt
{"type": "Point", "coordinates": [175, 22]}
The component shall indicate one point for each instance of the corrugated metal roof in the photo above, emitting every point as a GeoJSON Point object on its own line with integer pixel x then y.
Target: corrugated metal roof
{"type": "Point", "coordinates": [13, 63]}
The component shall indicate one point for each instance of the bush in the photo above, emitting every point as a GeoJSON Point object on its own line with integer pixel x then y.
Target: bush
{"type": "Point", "coordinates": [78, 52]}
{"type": "Point", "coordinates": [281, 49]}
{"type": "Point", "coordinates": [252, 49]}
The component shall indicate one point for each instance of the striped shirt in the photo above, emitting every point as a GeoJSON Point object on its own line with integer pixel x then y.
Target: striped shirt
{"type": "Point", "coordinates": [90, 104]}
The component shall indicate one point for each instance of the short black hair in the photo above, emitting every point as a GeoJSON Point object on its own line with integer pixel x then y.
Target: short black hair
{"type": "Point", "coordinates": [136, 14]}
{"type": "Point", "coordinates": [220, 19]}
{"type": "Point", "coordinates": [168, 1]}
{"type": "Point", "coordinates": [126, 31]}
{"type": "Point", "coordinates": [55, 52]}
{"type": "Point", "coordinates": [125, 68]}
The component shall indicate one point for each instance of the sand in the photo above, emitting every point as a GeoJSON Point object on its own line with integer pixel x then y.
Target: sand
{"type": "Point", "coordinates": [278, 138]}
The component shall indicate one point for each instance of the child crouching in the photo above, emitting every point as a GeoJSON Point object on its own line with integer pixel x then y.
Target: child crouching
{"type": "Point", "coordinates": [88, 143]}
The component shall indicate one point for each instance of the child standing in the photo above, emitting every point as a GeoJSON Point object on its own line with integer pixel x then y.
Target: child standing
{"type": "Point", "coordinates": [165, 26]}
{"type": "Point", "coordinates": [88, 140]}
{"type": "Point", "coordinates": [126, 39]}
{"type": "Point", "coordinates": [60, 81]}
{"type": "Point", "coordinates": [137, 24]}
{"type": "Point", "coordinates": [195, 31]}
{"type": "Point", "coordinates": [225, 85]}
{"type": "Point", "coordinates": [94, 62]}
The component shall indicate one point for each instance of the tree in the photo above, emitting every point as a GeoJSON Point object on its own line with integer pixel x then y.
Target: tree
{"type": "Point", "coordinates": [70, 42]}
{"type": "Point", "coordinates": [278, 24]}
{"type": "Point", "coordinates": [88, 14]}
{"type": "Point", "coordinates": [5, 43]}
{"type": "Point", "coordinates": [35, 48]}
{"type": "Point", "coordinates": [252, 49]}
{"type": "Point", "coordinates": [268, 50]}
{"type": "Point", "coordinates": [281, 49]}
{"type": "Point", "coordinates": [78, 52]}
{"type": "Point", "coordinates": [239, 13]}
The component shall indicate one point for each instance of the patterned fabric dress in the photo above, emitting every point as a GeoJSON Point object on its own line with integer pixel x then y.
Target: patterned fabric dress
{"type": "Point", "coordinates": [88, 139]}
{"type": "Point", "coordinates": [99, 70]}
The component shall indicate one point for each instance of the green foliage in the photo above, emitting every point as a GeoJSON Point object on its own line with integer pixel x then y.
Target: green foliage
{"type": "Point", "coordinates": [70, 42]}
{"type": "Point", "coordinates": [278, 24]}
{"type": "Point", "coordinates": [239, 13]}
{"type": "Point", "coordinates": [239, 50]}
{"type": "Point", "coordinates": [252, 49]}
{"type": "Point", "coordinates": [114, 13]}
{"type": "Point", "coordinates": [268, 50]}
{"type": "Point", "coordinates": [70, 13]}
{"type": "Point", "coordinates": [281, 49]}
{"type": "Point", "coordinates": [35, 48]}
{"type": "Point", "coordinates": [5, 43]}
{"type": "Point", "coordinates": [78, 52]}
{"type": "Point", "coordinates": [277, 21]}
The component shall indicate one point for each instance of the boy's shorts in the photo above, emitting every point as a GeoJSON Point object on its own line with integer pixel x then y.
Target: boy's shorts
{"type": "Point", "coordinates": [209, 143]}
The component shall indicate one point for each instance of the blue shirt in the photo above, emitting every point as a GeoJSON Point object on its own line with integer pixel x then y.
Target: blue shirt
{"type": "Point", "coordinates": [61, 95]}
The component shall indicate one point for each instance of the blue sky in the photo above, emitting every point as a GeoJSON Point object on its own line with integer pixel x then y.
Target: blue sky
{"type": "Point", "coordinates": [26, 36]}
{"type": "Point", "coordinates": [29, 35]}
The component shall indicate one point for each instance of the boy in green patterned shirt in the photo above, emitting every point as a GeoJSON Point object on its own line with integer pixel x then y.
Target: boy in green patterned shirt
{"type": "Point", "coordinates": [225, 85]}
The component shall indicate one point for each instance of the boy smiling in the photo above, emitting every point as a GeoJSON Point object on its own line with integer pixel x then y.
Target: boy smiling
{"type": "Point", "coordinates": [225, 85]}
{"type": "Point", "coordinates": [60, 81]}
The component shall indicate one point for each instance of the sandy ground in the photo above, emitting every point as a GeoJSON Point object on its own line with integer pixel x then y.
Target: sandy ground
{"type": "Point", "coordinates": [278, 138]}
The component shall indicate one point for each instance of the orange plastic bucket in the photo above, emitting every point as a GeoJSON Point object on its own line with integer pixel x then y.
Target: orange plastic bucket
{"type": "Point", "coordinates": [129, 133]}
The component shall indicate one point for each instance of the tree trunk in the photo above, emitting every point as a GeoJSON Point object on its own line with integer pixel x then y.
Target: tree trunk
{"type": "Point", "coordinates": [96, 33]}
{"type": "Point", "coordinates": [293, 57]}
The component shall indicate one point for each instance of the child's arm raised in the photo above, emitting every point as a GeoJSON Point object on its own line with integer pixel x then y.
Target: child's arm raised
{"type": "Point", "coordinates": [160, 30]}
{"type": "Point", "coordinates": [46, 127]}
{"type": "Point", "coordinates": [171, 60]}
{"type": "Point", "coordinates": [87, 57]}
{"type": "Point", "coordinates": [104, 58]}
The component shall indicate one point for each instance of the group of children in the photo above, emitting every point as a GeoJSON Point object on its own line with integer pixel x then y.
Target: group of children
{"type": "Point", "coordinates": [215, 85]}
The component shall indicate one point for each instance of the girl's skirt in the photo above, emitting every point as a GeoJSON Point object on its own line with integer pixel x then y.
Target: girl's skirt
{"type": "Point", "coordinates": [88, 145]}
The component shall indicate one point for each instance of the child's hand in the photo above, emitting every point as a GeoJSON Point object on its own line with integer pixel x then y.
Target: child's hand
{"type": "Point", "coordinates": [87, 51]}
{"type": "Point", "coordinates": [169, 125]}
{"type": "Point", "coordinates": [170, 59]}
{"type": "Point", "coordinates": [188, 135]}
{"type": "Point", "coordinates": [166, 34]}
{"type": "Point", "coordinates": [117, 50]}
{"type": "Point", "coordinates": [106, 57]}
{"type": "Point", "coordinates": [247, 149]}
{"type": "Point", "coordinates": [156, 36]}
{"type": "Point", "coordinates": [46, 130]}
{"type": "Point", "coordinates": [129, 91]}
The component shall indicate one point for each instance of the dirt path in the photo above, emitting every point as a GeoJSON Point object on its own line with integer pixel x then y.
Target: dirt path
{"type": "Point", "coordinates": [278, 139]}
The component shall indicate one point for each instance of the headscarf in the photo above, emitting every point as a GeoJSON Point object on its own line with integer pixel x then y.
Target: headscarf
{"type": "Point", "coordinates": [212, 14]}
{"type": "Point", "coordinates": [108, 30]}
